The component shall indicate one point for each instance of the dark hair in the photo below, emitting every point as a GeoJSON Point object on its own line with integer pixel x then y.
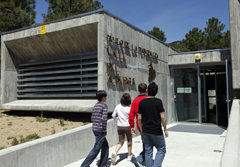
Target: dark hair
{"type": "Point", "coordinates": [100, 94]}
{"type": "Point", "coordinates": [142, 87]}
{"type": "Point", "coordinates": [125, 99]}
{"type": "Point", "coordinates": [152, 89]}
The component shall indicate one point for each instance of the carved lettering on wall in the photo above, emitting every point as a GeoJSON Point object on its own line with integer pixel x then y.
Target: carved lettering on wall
{"type": "Point", "coordinates": [121, 80]}
{"type": "Point", "coordinates": [110, 80]}
{"type": "Point", "coordinates": [116, 54]}
{"type": "Point", "coordinates": [126, 44]}
{"type": "Point", "coordinates": [118, 80]}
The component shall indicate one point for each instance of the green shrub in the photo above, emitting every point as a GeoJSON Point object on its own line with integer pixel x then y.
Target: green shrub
{"type": "Point", "coordinates": [26, 139]}
{"type": "Point", "coordinates": [61, 121]}
{"type": "Point", "coordinates": [15, 141]}
{"type": "Point", "coordinates": [22, 140]}
{"type": "Point", "coordinates": [42, 119]}
{"type": "Point", "coordinates": [32, 137]}
{"type": "Point", "coordinates": [10, 137]}
{"type": "Point", "coordinates": [2, 148]}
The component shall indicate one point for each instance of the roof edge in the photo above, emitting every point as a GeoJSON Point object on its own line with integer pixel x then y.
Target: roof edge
{"type": "Point", "coordinates": [89, 13]}
{"type": "Point", "coordinates": [201, 51]}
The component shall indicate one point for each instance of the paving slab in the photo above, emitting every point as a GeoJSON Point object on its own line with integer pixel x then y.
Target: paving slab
{"type": "Point", "coordinates": [184, 149]}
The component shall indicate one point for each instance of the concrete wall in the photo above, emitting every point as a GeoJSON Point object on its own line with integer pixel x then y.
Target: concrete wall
{"type": "Point", "coordinates": [234, 11]}
{"type": "Point", "coordinates": [136, 64]}
{"type": "Point", "coordinates": [207, 57]}
{"type": "Point", "coordinates": [231, 149]}
{"type": "Point", "coordinates": [30, 44]}
{"type": "Point", "coordinates": [56, 150]}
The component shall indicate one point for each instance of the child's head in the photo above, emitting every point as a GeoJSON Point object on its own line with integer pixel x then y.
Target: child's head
{"type": "Point", "coordinates": [101, 95]}
{"type": "Point", "coordinates": [152, 89]}
{"type": "Point", "coordinates": [125, 99]}
{"type": "Point", "coordinates": [142, 88]}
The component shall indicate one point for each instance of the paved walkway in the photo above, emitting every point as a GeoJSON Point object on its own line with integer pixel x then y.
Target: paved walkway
{"type": "Point", "coordinates": [184, 149]}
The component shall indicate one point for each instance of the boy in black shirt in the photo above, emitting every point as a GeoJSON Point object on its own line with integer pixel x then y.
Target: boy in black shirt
{"type": "Point", "coordinates": [152, 114]}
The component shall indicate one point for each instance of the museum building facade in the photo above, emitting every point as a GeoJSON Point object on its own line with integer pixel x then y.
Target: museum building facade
{"type": "Point", "coordinates": [59, 66]}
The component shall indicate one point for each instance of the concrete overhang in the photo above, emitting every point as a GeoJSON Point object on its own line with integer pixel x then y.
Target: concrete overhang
{"type": "Point", "coordinates": [64, 42]}
{"type": "Point", "coordinates": [217, 56]}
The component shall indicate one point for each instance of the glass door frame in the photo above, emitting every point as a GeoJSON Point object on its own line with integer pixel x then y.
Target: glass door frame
{"type": "Point", "coordinates": [199, 89]}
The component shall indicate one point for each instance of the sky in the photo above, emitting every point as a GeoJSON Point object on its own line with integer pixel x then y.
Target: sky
{"type": "Point", "coordinates": [174, 17]}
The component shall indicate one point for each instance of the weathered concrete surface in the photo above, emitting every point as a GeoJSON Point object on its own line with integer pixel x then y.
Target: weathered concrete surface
{"type": "Point", "coordinates": [63, 42]}
{"type": "Point", "coordinates": [51, 105]}
{"type": "Point", "coordinates": [56, 150]}
{"type": "Point", "coordinates": [231, 150]}
{"type": "Point", "coordinates": [136, 64]}
{"type": "Point", "coordinates": [234, 12]}
{"type": "Point", "coordinates": [70, 36]}
{"type": "Point", "coordinates": [207, 57]}
{"type": "Point", "coordinates": [85, 33]}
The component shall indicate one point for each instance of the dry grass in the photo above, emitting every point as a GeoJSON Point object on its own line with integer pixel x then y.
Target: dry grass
{"type": "Point", "coordinates": [14, 126]}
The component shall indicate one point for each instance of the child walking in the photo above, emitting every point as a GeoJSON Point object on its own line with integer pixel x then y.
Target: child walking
{"type": "Point", "coordinates": [121, 115]}
{"type": "Point", "coordinates": [99, 119]}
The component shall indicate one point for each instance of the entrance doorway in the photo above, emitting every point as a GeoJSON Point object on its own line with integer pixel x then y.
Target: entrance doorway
{"type": "Point", "coordinates": [202, 94]}
{"type": "Point", "coordinates": [214, 94]}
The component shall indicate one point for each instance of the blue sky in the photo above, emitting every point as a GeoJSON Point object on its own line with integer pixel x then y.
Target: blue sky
{"type": "Point", "coordinates": [174, 17]}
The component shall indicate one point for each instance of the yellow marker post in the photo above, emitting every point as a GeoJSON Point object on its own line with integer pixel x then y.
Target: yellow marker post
{"type": "Point", "coordinates": [198, 57]}
{"type": "Point", "coordinates": [43, 29]}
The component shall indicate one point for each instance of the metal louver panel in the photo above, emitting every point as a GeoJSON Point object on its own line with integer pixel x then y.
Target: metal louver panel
{"type": "Point", "coordinates": [66, 77]}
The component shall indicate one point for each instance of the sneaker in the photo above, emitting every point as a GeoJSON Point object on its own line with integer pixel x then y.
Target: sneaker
{"type": "Point", "coordinates": [129, 158]}
{"type": "Point", "coordinates": [114, 158]}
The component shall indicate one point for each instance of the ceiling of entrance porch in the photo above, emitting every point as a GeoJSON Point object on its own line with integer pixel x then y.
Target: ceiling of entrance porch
{"type": "Point", "coordinates": [64, 42]}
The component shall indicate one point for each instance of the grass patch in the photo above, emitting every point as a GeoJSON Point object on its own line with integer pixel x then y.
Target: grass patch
{"type": "Point", "coordinates": [2, 148]}
{"type": "Point", "coordinates": [85, 123]}
{"type": "Point", "coordinates": [65, 129]}
{"type": "Point", "coordinates": [61, 121]}
{"type": "Point", "coordinates": [30, 137]}
{"type": "Point", "coordinates": [9, 137]}
{"type": "Point", "coordinates": [42, 119]}
{"type": "Point", "coordinates": [10, 124]}
{"type": "Point", "coordinates": [14, 141]}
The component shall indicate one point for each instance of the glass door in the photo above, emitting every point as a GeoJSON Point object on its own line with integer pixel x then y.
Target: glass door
{"type": "Point", "coordinates": [186, 94]}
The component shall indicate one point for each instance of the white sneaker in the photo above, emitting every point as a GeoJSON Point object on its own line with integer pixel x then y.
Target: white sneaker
{"type": "Point", "coordinates": [114, 158]}
{"type": "Point", "coordinates": [129, 158]}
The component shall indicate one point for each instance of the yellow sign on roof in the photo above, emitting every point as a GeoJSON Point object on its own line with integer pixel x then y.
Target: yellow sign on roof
{"type": "Point", "coordinates": [43, 29]}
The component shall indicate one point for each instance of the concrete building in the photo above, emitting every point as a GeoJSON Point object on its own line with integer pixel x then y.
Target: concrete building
{"type": "Point", "coordinates": [234, 13]}
{"type": "Point", "coordinates": [60, 65]}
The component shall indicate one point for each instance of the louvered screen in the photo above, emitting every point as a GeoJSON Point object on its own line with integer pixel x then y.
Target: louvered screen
{"type": "Point", "coordinates": [68, 77]}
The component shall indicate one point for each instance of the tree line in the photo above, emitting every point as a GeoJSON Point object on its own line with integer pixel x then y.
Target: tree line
{"type": "Point", "coordinates": [16, 14]}
{"type": "Point", "coordinates": [212, 37]}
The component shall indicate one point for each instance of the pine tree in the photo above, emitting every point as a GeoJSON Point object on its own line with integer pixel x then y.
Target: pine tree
{"type": "Point", "coordinates": [59, 9]}
{"type": "Point", "coordinates": [16, 14]}
{"type": "Point", "coordinates": [213, 33]}
{"type": "Point", "coordinates": [159, 34]}
{"type": "Point", "coordinates": [194, 40]}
